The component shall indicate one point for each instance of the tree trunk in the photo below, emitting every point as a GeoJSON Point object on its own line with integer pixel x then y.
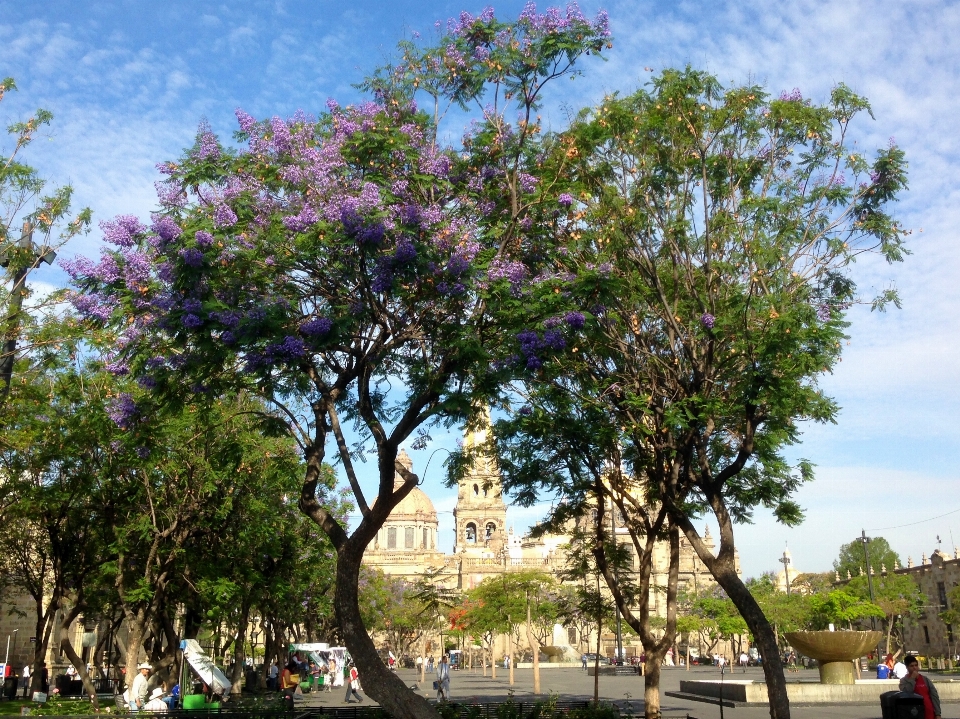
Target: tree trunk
{"type": "Point", "coordinates": [135, 624]}
{"type": "Point", "coordinates": [535, 646]}
{"type": "Point", "coordinates": [651, 685]}
{"type": "Point", "coordinates": [510, 654]}
{"type": "Point", "coordinates": [238, 649]}
{"type": "Point", "coordinates": [493, 661]}
{"type": "Point", "coordinates": [596, 663]}
{"type": "Point", "coordinates": [724, 571]}
{"type": "Point", "coordinates": [67, 648]}
{"type": "Point", "coordinates": [381, 684]}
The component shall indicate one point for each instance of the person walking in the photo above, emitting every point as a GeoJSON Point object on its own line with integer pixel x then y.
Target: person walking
{"type": "Point", "coordinates": [443, 680]}
{"type": "Point", "coordinates": [353, 685]}
{"type": "Point", "coordinates": [25, 680]}
{"type": "Point", "coordinates": [917, 683]}
{"type": "Point", "coordinates": [583, 661]}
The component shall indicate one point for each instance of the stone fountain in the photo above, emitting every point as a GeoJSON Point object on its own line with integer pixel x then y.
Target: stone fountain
{"type": "Point", "coordinates": [834, 651]}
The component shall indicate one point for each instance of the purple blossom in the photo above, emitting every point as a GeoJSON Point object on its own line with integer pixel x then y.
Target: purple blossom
{"type": "Point", "coordinates": [146, 381]}
{"type": "Point", "coordinates": [191, 321]}
{"type": "Point", "coordinates": [528, 183]}
{"type": "Point", "coordinates": [246, 121]}
{"type": "Point", "coordinates": [142, 452]}
{"type": "Point", "coordinates": [165, 227]}
{"type": "Point", "coordinates": [793, 96]}
{"type": "Point", "coordinates": [316, 327]}
{"type": "Point", "coordinates": [122, 230]}
{"type": "Point", "coordinates": [406, 252]}
{"type": "Point", "coordinates": [224, 216]}
{"type": "Point", "coordinates": [514, 272]}
{"type": "Point", "coordinates": [575, 320]}
{"type": "Point", "coordinates": [204, 239]}
{"type": "Point", "coordinates": [207, 145]}
{"type": "Point", "coordinates": [118, 369]}
{"type": "Point", "coordinates": [227, 337]}
{"type": "Point", "coordinates": [93, 305]}
{"type": "Point", "coordinates": [526, 411]}
{"type": "Point", "coordinates": [707, 320]}
{"type": "Point", "coordinates": [122, 410]}
{"type": "Point", "coordinates": [823, 312]}
{"type": "Point", "coordinates": [300, 222]}
{"type": "Point", "coordinates": [290, 348]}
{"type": "Point", "coordinates": [554, 340]}
{"type": "Point", "coordinates": [191, 256]}
{"type": "Point", "coordinates": [565, 199]}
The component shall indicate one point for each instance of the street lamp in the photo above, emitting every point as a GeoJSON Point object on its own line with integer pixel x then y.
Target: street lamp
{"type": "Point", "coordinates": [19, 259]}
{"type": "Point", "coordinates": [865, 540]}
{"type": "Point", "coordinates": [6, 659]}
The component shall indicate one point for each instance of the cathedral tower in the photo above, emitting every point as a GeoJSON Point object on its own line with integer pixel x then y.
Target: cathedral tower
{"type": "Point", "coordinates": [480, 517]}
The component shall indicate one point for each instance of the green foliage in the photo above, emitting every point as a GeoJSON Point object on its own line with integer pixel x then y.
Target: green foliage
{"type": "Point", "coordinates": [853, 559]}
{"type": "Point", "coordinates": [840, 608]}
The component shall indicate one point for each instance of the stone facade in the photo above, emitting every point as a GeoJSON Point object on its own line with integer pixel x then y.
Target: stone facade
{"type": "Point", "coordinates": [926, 634]}
{"type": "Point", "coordinates": [485, 547]}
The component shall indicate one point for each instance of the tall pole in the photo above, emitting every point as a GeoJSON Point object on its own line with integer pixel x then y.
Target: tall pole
{"type": "Point", "coordinates": [6, 658]}
{"type": "Point", "coordinates": [785, 561]}
{"type": "Point", "coordinates": [613, 529]}
{"type": "Point", "coordinates": [866, 555]}
{"type": "Point", "coordinates": [22, 261]}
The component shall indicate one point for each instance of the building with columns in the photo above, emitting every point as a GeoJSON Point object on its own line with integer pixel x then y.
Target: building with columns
{"type": "Point", "coordinates": [484, 546]}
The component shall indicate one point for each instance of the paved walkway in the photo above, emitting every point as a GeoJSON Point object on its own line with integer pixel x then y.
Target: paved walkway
{"type": "Point", "coordinates": [627, 691]}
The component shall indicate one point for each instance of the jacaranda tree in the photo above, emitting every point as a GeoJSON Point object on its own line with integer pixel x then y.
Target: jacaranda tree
{"type": "Point", "coordinates": [350, 269]}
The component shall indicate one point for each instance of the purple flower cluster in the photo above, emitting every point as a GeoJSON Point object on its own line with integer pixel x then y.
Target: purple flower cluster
{"type": "Point", "coordinates": [532, 345]}
{"type": "Point", "coordinates": [513, 272]}
{"type": "Point", "coordinates": [707, 320]}
{"type": "Point", "coordinates": [93, 305]}
{"type": "Point", "coordinates": [192, 256]}
{"type": "Point", "coordinates": [316, 327]}
{"type": "Point", "coordinates": [576, 320]}
{"type": "Point", "coordinates": [204, 239]}
{"type": "Point", "coordinates": [123, 410]}
{"type": "Point", "coordinates": [793, 96]}
{"type": "Point", "coordinates": [165, 228]}
{"type": "Point", "coordinates": [365, 233]}
{"type": "Point", "coordinates": [565, 199]}
{"type": "Point", "coordinates": [224, 216]}
{"type": "Point", "coordinates": [122, 230]}
{"type": "Point", "coordinates": [207, 145]}
{"type": "Point", "coordinates": [528, 183]}
{"type": "Point", "coordinates": [823, 312]}
{"type": "Point", "coordinates": [305, 219]}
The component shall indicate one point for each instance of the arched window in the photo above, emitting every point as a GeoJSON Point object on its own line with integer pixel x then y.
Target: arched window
{"type": "Point", "coordinates": [476, 490]}
{"type": "Point", "coordinates": [571, 636]}
{"type": "Point", "coordinates": [491, 528]}
{"type": "Point", "coordinates": [471, 533]}
{"type": "Point", "coordinates": [391, 538]}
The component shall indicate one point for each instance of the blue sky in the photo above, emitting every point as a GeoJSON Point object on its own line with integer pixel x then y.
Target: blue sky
{"type": "Point", "coordinates": [128, 82]}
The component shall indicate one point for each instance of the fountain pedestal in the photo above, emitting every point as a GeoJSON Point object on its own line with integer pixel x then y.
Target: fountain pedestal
{"type": "Point", "coordinates": [834, 651]}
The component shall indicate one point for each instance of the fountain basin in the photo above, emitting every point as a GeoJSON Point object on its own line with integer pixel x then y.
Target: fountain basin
{"type": "Point", "coordinates": [834, 651]}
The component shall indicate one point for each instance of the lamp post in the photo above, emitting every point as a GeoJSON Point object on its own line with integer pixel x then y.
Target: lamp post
{"type": "Point", "coordinates": [19, 259]}
{"type": "Point", "coordinates": [865, 540]}
{"type": "Point", "coordinates": [613, 529]}
{"type": "Point", "coordinates": [6, 659]}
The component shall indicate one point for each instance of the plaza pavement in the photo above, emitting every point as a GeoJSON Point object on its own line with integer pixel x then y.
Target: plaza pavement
{"type": "Point", "coordinates": [627, 691]}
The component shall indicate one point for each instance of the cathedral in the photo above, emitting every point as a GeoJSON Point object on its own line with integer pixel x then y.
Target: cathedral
{"type": "Point", "coordinates": [406, 545]}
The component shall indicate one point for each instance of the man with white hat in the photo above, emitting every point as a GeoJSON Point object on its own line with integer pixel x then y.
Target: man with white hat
{"type": "Point", "coordinates": [156, 703]}
{"type": "Point", "coordinates": [138, 690]}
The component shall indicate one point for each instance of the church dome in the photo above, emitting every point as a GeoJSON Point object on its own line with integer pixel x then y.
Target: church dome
{"type": "Point", "coordinates": [416, 505]}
